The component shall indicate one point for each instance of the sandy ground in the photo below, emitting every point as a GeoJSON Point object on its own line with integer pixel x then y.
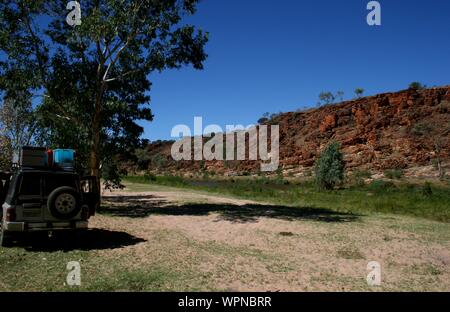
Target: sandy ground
{"type": "Point", "coordinates": [231, 244]}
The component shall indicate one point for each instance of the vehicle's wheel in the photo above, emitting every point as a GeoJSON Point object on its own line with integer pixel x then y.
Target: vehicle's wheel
{"type": "Point", "coordinates": [64, 203]}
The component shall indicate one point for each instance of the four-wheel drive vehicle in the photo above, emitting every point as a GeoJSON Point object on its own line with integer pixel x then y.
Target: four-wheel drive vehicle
{"type": "Point", "coordinates": [45, 199]}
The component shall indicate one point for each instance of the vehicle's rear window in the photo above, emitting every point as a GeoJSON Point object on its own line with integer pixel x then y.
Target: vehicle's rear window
{"type": "Point", "coordinates": [52, 182]}
{"type": "Point", "coordinates": [30, 185]}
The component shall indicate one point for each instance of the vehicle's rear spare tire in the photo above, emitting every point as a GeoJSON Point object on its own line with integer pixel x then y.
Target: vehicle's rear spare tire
{"type": "Point", "coordinates": [64, 203]}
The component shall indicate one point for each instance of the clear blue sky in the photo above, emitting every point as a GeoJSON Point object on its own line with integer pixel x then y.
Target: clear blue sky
{"type": "Point", "coordinates": [278, 55]}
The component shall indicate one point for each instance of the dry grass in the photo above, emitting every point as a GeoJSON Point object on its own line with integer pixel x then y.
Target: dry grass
{"type": "Point", "coordinates": [181, 240]}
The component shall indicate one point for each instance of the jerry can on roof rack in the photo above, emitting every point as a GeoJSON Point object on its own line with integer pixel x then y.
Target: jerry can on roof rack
{"type": "Point", "coordinates": [64, 158]}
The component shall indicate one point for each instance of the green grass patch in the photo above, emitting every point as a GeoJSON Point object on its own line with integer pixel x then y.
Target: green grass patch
{"type": "Point", "coordinates": [378, 197]}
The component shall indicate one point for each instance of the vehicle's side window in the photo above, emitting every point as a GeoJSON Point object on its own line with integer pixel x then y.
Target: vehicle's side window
{"type": "Point", "coordinates": [30, 185]}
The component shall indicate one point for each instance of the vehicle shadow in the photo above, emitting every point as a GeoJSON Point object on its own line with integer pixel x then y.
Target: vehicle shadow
{"type": "Point", "coordinates": [140, 206]}
{"type": "Point", "coordinates": [92, 239]}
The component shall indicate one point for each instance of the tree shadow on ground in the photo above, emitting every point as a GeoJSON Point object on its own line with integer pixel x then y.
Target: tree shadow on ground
{"type": "Point", "coordinates": [143, 206]}
{"type": "Point", "coordinates": [92, 239]}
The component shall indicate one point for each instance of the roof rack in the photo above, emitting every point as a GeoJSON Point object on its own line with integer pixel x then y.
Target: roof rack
{"type": "Point", "coordinates": [41, 158]}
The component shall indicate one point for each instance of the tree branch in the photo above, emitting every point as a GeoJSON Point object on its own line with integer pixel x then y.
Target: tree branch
{"type": "Point", "coordinates": [123, 75]}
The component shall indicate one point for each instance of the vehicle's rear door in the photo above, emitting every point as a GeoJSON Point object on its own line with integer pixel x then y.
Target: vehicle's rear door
{"type": "Point", "coordinates": [91, 193]}
{"type": "Point", "coordinates": [30, 195]}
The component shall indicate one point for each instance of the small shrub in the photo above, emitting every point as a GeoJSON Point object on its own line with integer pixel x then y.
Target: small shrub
{"type": "Point", "coordinates": [416, 86]}
{"type": "Point", "coordinates": [263, 120]}
{"type": "Point", "coordinates": [359, 92]}
{"type": "Point", "coordinates": [286, 234]}
{"type": "Point", "coordinates": [426, 189]}
{"type": "Point", "coordinates": [381, 186]}
{"type": "Point", "coordinates": [444, 107]}
{"type": "Point", "coordinates": [149, 177]}
{"type": "Point", "coordinates": [359, 176]}
{"type": "Point", "coordinates": [394, 174]}
{"type": "Point", "coordinates": [365, 174]}
{"type": "Point", "coordinates": [326, 98]}
{"type": "Point", "coordinates": [329, 167]}
{"type": "Point", "coordinates": [158, 161]}
{"type": "Point", "coordinates": [435, 163]}
{"type": "Point", "coordinates": [421, 128]}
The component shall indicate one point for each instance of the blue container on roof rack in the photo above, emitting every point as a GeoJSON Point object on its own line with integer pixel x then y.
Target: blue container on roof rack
{"type": "Point", "coordinates": [64, 158]}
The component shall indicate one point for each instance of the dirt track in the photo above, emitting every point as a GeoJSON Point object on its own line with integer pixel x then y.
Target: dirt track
{"type": "Point", "coordinates": [230, 244]}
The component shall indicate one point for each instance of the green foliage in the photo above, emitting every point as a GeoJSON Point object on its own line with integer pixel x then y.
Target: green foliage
{"type": "Point", "coordinates": [394, 174]}
{"type": "Point", "coordinates": [326, 98]}
{"type": "Point", "coordinates": [158, 161]}
{"type": "Point", "coordinates": [111, 176]}
{"type": "Point", "coordinates": [264, 119]}
{"type": "Point", "coordinates": [6, 153]}
{"type": "Point", "coordinates": [381, 186]}
{"type": "Point", "coordinates": [417, 86]}
{"type": "Point", "coordinates": [444, 107]}
{"type": "Point", "coordinates": [329, 167]}
{"type": "Point", "coordinates": [163, 180]}
{"type": "Point", "coordinates": [359, 176]}
{"type": "Point", "coordinates": [92, 80]}
{"type": "Point", "coordinates": [269, 118]}
{"type": "Point", "coordinates": [377, 197]}
{"type": "Point", "coordinates": [421, 128]}
{"type": "Point", "coordinates": [143, 158]}
{"type": "Point", "coordinates": [435, 163]}
{"type": "Point", "coordinates": [359, 92]}
{"type": "Point", "coordinates": [426, 189]}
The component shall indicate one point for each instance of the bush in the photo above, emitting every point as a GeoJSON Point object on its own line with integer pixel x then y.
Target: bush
{"type": "Point", "coordinates": [158, 161]}
{"type": "Point", "coordinates": [359, 92]}
{"type": "Point", "coordinates": [329, 167]}
{"type": "Point", "coordinates": [421, 128]}
{"type": "Point", "coordinates": [326, 98]}
{"type": "Point", "coordinates": [393, 174]}
{"type": "Point", "coordinates": [359, 176]}
{"type": "Point", "coordinates": [111, 176]}
{"type": "Point", "coordinates": [380, 186]}
{"type": "Point", "coordinates": [416, 86]}
{"type": "Point", "coordinates": [426, 189]}
{"type": "Point", "coordinates": [143, 158]}
{"type": "Point", "coordinates": [148, 177]}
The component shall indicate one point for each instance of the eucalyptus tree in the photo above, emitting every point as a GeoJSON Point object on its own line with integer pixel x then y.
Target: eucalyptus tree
{"type": "Point", "coordinates": [92, 80]}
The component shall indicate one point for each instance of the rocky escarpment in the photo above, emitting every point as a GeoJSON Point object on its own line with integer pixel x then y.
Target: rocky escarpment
{"type": "Point", "coordinates": [409, 130]}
